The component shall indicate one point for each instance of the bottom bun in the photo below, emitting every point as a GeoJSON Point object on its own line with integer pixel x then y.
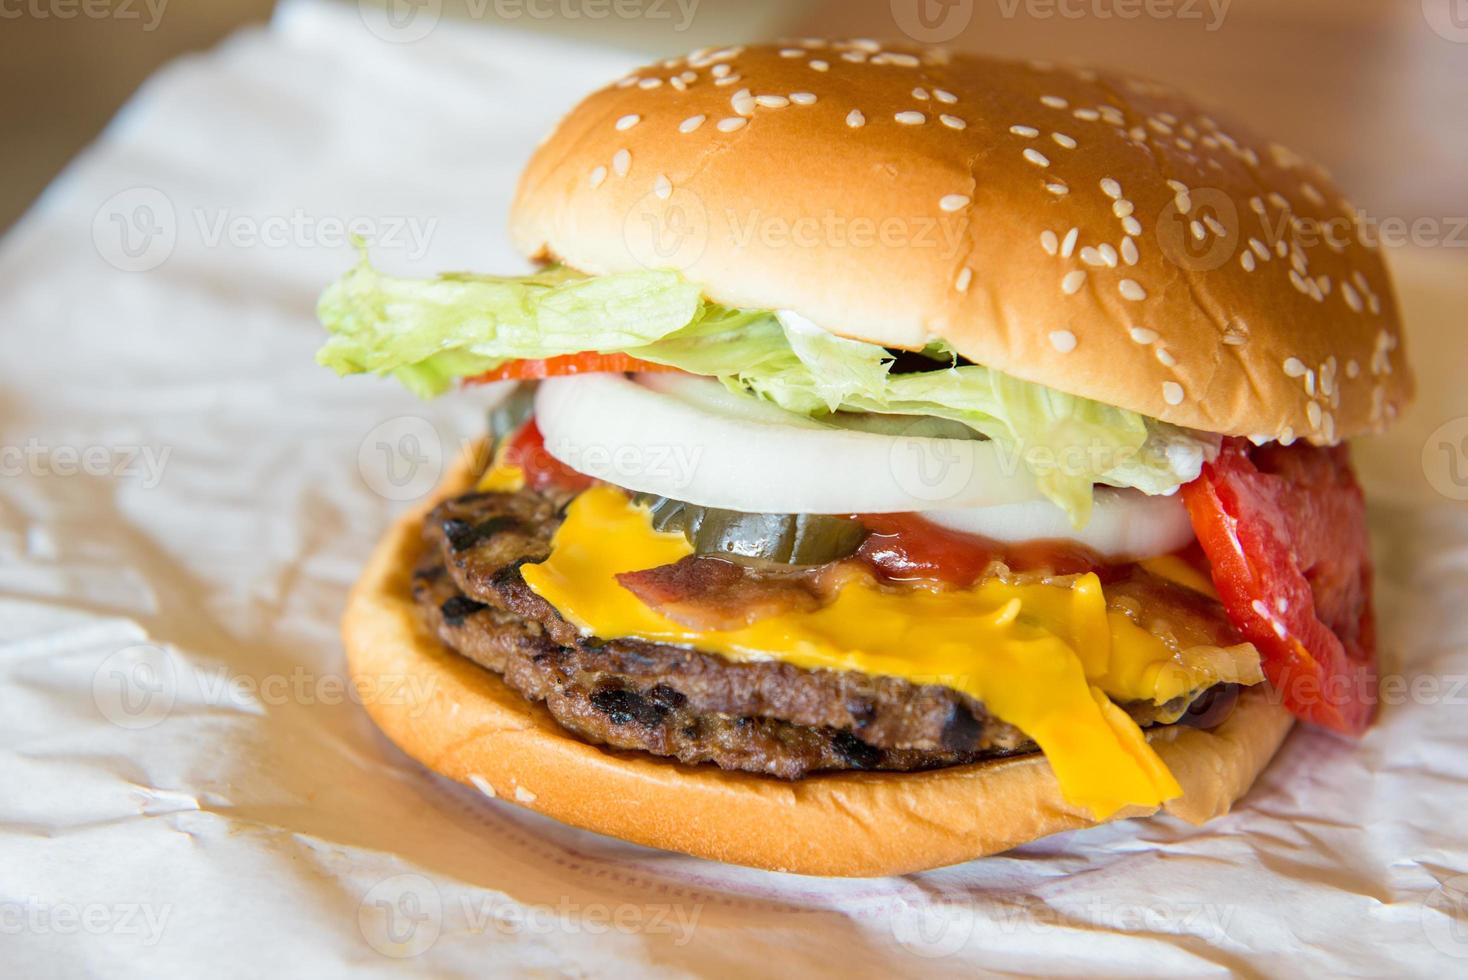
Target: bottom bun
{"type": "Point", "coordinates": [462, 721]}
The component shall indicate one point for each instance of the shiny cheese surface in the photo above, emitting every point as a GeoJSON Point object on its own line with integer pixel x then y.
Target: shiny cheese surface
{"type": "Point", "coordinates": [1048, 659]}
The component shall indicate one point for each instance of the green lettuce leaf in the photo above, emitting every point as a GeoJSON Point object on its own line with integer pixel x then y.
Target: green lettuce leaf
{"type": "Point", "coordinates": [429, 333]}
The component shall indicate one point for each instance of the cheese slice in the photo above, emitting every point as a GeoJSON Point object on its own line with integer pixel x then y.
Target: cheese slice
{"type": "Point", "coordinates": [1048, 659]}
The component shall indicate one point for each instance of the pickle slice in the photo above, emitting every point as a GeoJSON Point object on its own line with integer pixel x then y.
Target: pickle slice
{"type": "Point", "coordinates": [789, 539]}
{"type": "Point", "coordinates": [512, 412]}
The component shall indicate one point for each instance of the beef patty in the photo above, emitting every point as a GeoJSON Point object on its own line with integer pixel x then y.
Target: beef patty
{"type": "Point", "coordinates": [765, 717]}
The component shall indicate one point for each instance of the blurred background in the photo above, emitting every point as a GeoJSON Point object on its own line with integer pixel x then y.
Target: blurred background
{"type": "Point", "coordinates": [1374, 89]}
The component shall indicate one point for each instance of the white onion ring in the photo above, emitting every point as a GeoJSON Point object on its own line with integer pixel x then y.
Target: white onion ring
{"type": "Point", "coordinates": [688, 438]}
{"type": "Point", "coordinates": [1125, 524]}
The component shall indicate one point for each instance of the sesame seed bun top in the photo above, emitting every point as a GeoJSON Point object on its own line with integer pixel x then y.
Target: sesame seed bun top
{"type": "Point", "coordinates": [1090, 231]}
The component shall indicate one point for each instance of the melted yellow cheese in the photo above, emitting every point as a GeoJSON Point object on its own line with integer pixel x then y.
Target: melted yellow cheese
{"type": "Point", "coordinates": [1047, 659]}
{"type": "Point", "coordinates": [502, 476]}
{"type": "Point", "coordinates": [1179, 572]}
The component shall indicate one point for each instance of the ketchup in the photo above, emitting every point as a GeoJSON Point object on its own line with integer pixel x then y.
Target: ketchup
{"type": "Point", "coordinates": [905, 547]}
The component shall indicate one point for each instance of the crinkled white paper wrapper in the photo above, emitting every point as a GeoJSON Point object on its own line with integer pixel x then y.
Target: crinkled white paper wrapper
{"type": "Point", "coordinates": [185, 782]}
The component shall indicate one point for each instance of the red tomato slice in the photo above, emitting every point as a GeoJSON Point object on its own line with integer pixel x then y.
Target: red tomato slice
{"type": "Point", "coordinates": [587, 362]}
{"type": "Point", "coordinates": [904, 547]}
{"type": "Point", "coordinates": [526, 449]}
{"type": "Point", "coordinates": [1284, 529]}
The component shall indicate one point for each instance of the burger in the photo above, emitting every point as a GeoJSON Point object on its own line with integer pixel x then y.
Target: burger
{"type": "Point", "coordinates": [895, 456]}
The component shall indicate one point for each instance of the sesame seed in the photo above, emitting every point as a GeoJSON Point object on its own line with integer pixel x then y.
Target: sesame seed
{"type": "Point", "coordinates": [1049, 241]}
{"type": "Point", "coordinates": [792, 52]}
{"type": "Point", "coordinates": [649, 83]}
{"type": "Point", "coordinates": [803, 98]}
{"type": "Point", "coordinates": [1036, 157]}
{"type": "Point", "coordinates": [1122, 208]}
{"type": "Point", "coordinates": [911, 118]}
{"type": "Point", "coordinates": [855, 119]}
{"type": "Point", "coordinates": [1131, 226]}
{"type": "Point", "coordinates": [1312, 412]}
{"type": "Point", "coordinates": [732, 123]}
{"type": "Point", "coordinates": [1053, 101]}
{"type": "Point", "coordinates": [728, 80]}
{"type": "Point", "coordinates": [1353, 298]}
{"type": "Point", "coordinates": [691, 123]}
{"type": "Point", "coordinates": [952, 122]}
{"type": "Point", "coordinates": [921, 94]}
{"type": "Point", "coordinates": [944, 96]}
{"type": "Point", "coordinates": [1087, 115]}
{"type": "Point", "coordinates": [662, 187]}
{"type": "Point", "coordinates": [1199, 232]}
{"type": "Point", "coordinates": [1129, 250]}
{"type": "Point", "coordinates": [1183, 202]}
{"type": "Point", "coordinates": [598, 176]}
{"type": "Point", "coordinates": [743, 102]}
{"type": "Point", "coordinates": [1215, 226]}
{"type": "Point", "coordinates": [1172, 392]}
{"type": "Point", "coordinates": [1164, 357]}
{"type": "Point", "coordinates": [954, 202]}
{"type": "Point", "coordinates": [1092, 256]}
{"type": "Point", "coordinates": [1247, 261]}
{"type": "Point", "coordinates": [1073, 282]}
{"type": "Point", "coordinates": [856, 57]}
{"type": "Point", "coordinates": [1110, 188]}
{"type": "Point", "coordinates": [1132, 290]}
{"type": "Point", "coordinates": [1260, 249]}
{"type": "Point", "coordinates": [1294, 367]}
{"type": "Point", "coordinates": [721, 70]}
{"type": "Point", "coordinates": [627, 82]}
{"type": "Point", "coordinates": [1058, 188]}
{"type": "Point", "coordinates": [689, 76]}
{"type": "Point", "coordinates": [771, 101]}
{"type": "Point", "coordinates": [621, 162]}
{"type": "Point", "coordinates": [820, 65]}
{"type": "Point", "coordinates": [965, 276]}
{"type": "Point", "coordinates": [1142, 335]}
{"type": "Point", "coordinates": [1353, 370]}
{"type": "Point", "coordinates": [1063, 340]}
{"type": "Point", "coordinates": [902, 60]}
{"type": "Point", "coordinates": [1026, 131]}
{"type": "Point", "coordinates": [1108, 254]}
{"type": "Point", "coordinates": [678, 83]}
{"type": "Point", "coordinates": [1069, 245]}
{"type": "Point", "coordinates": [627, 122]}
{"type": "Point", "coordinates": [1066, 141]}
